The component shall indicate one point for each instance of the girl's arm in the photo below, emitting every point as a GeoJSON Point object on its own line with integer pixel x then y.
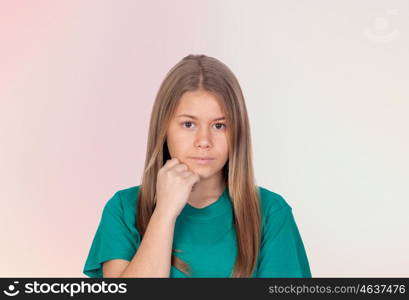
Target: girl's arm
{"type": "Point", "coordinates": [153, 257]}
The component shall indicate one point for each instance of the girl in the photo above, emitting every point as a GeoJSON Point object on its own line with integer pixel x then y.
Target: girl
{"type": "Point", "coordinates": [198, 211]}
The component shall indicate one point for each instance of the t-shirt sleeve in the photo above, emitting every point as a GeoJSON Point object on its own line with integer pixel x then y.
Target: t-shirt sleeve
{"type": "Point", "coordinates": [282, 252]}
{"type": "Point", "coordinates": [115, 237]}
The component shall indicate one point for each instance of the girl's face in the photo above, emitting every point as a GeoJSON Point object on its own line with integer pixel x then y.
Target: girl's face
{"type": "Point", "coordinates": [199, 129]}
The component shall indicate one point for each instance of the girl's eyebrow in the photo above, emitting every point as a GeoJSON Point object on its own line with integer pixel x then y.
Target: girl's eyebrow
{"type": "Point", "coordinates": [195, 118]}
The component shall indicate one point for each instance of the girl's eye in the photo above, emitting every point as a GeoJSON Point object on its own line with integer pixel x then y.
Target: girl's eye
{"type": "Point", "coordinates": [187, 123]}
{"type": "Point", "coordinates": [223, 125]}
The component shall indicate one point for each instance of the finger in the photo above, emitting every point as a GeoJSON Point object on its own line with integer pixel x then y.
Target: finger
{"type": "Point", "coordinates": [194, 178]}
{"type": "Point", "coordinates": [186, 174]}
{"type": "Point", "coordinates": [179, 168]}
{"type": "Point", "coordinates": [170, 163]}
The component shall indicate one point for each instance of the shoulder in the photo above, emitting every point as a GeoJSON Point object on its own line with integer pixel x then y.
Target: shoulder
{"type": "Point", "coordinates": [271, 202]}
{"type": "Point", "coordinates": [275, 212]}
{"type": "Point", "coordinates": [123, 200]}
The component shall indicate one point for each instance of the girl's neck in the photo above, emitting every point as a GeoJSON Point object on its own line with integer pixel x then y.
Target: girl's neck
{"type": "Point", "coordinates": [207, 191]}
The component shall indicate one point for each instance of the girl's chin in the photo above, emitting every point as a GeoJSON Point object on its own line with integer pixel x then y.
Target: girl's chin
{"type": "Point", "coordinates": [203, 174]}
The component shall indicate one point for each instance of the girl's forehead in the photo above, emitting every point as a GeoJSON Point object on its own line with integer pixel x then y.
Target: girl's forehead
{"type": "Point", "coordinates": [199, 103]}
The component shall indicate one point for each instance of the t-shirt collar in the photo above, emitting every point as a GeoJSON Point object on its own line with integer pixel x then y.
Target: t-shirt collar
{"type": "Point", "coordinates": [217, 208]}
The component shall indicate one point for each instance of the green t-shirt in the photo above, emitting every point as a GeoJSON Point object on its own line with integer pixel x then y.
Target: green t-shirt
{"type": "Point", "coordinates": [206, 236]}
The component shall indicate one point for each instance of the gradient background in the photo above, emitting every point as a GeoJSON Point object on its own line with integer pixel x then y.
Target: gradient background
{"type": "Point", "coordinates": [326, 87]}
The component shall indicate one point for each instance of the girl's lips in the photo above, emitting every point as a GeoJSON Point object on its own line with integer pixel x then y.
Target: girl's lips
{"type": "Point", "coordinates": [202, 161]}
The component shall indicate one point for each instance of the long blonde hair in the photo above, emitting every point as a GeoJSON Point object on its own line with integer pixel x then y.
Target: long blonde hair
{"type": "Point", "coordinates": [192, 73]}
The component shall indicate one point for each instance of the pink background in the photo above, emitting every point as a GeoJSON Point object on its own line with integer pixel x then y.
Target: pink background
{"type": "Point", "coordinates": [327, 92]}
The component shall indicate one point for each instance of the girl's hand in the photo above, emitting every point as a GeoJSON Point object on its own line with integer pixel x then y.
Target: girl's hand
{"type": "Point", "coordinates": [174, 184]}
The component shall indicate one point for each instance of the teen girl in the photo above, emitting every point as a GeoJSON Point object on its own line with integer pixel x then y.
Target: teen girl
{"type": "Point", "coordinates": [198, 211]}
